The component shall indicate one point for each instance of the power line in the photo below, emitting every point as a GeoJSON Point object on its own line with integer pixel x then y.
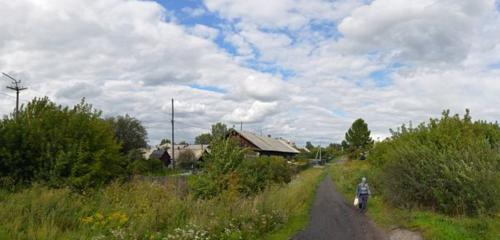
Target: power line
{"type": "Point", "coordinates": [16, 86]}
{"type": "Point", "coordinates": [7, 95]}
{"type": "Point", "coordinates": [191, 125]}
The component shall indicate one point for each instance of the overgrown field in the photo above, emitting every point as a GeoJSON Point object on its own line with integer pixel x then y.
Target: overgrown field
{"type": "Point", "coordinates": [145, 210]}
{"type": "Point", "coordinates": [431, 224]}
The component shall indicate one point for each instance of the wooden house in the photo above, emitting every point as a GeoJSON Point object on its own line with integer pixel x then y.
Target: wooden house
{"type": "Point", "coordinates": [264, 145]}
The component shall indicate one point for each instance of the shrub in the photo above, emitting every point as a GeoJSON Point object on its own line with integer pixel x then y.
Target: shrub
{"type": "Point", "coordinates": [58, 145]}
{"type": "Point", "coordinates": [256, 174]}
{"type": "Point", "coordinates": [220, 169]}
{"type": "Point", "coordinates": [450, 164]}
{"type": "Point", "coordinates": [137, 164]}
{"type": "Point", "coordinates": [186, 159]}
{"type": "Point", "coordinates": [226, 169]}
{"type": "Point", "coordinates": [299, 164]}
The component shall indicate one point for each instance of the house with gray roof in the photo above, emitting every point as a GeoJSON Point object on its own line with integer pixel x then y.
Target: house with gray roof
{"type": "Point", "coordinates": [164, 152]}
{"type": "Point", "coordinates": [264, 145]}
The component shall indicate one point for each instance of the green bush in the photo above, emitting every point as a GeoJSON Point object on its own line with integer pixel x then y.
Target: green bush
{"type": "Point", "coordinates": [227, 169]}
{"type": "Point", "coordinates": [137, 164]}
{"type": "Point", "coordinates": [219, 169]}
{"type": "Point", "coordinates": [59, 146]}
{"type": "Point", "coordinates": [451, 165]}
{"type": "Point", "coordinates": [256, 174]}
{"type": "Point", "coordinates": [187, 159]}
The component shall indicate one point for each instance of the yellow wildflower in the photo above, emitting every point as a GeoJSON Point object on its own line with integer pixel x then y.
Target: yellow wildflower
{"type": "Point", "coordinates": [87, 219]}
{"type": "Point", "coordinates": [99, 216]}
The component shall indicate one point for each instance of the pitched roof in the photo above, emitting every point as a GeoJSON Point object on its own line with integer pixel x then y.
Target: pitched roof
{"type": "Point", "coordinates": [265, 143]}
{"type": "Point", "coordinates": [197, 149]}
{"type": "Point", "coordinates": [157, 152]}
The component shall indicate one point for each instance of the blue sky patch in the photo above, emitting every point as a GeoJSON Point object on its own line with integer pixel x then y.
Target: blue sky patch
{"type": "Point", "coordinates": [494, 66]}
{"type": "Point", "coordinates": [326, 29]}
{"type": "Point", "coordinates": [339, 112]}
{"type": "Point", "coordinates": [381, 77]}
{"type": "Point", "coordinates": [208, 88]}
{"type": "Point", "coordinates": [181, 11]}
{"type": "Point", "coordinates": [270, 68]}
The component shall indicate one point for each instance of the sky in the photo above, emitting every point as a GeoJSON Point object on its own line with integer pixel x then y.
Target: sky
{"type": "Point", "coordinates": [299, 69]}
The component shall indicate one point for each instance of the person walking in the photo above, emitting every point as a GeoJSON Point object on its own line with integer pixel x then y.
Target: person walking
{"type": "Point", "coordinates": [362, 193]}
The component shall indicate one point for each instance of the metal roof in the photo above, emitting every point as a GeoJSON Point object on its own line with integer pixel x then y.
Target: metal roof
{"type": "Point", "coordinates": [157, 152]}
{"type": "Point", "coordinates": [265, 143]}
{"type": "Point", "coordinates": [197, 149]}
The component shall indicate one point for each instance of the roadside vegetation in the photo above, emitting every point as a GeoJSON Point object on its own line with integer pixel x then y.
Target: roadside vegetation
{"type": "Point", "coordinates": [431, 224]}
{"type": "Point", "coordinates": [149, 210]}
{"type": "Point", "coordinates": [450, 165]}
{"type": "Point", "coordinates": [69, 173]}
{"type": "Point", "coordinates": [227, 169]}
{"type": "Point", "coordinates": [440, 178]}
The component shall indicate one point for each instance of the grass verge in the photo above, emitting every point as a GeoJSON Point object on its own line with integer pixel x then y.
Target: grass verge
{"type": "Point", "coordinates": [302, 194]}
{"type": "Point", "coordinates": [432, 225]}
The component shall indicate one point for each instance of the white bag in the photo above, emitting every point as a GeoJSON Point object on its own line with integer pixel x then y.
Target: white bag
{"type": "Point", "coordinates": [356, 201]}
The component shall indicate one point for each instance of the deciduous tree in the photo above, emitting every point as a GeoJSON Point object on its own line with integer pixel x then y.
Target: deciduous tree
{"type": "Point", "coordinates": [204, 138]}
{"type": "Point", "coordinates": [219, 131]}
{"type": "Point", "coordinates": [129, 132]}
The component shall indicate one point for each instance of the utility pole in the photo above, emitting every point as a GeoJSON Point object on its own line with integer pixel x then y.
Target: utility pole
{"type": "Point", "coordinates": [16, 86]}
{"type": "Point", "coordinates": [320, 157]}
{"type": "Point", "coordinates": [173, 141]}
{"type": "Point", "coordinates": [241, 126]}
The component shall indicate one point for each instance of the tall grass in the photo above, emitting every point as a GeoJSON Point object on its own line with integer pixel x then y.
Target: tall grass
{"type": "Point", "coordinates": [146, 210]}
{"type": "Point", "coordinates": [431, 224]}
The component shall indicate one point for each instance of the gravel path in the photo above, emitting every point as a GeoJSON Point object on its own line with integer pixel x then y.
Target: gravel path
{"type": "Point", "coordinates": [332, 218]}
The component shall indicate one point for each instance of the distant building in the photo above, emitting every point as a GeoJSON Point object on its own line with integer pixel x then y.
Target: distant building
{"type": "Point", "coordinates": [304, 149]}
{"type": "Point", "coordinates": [164, 152]}
{"type": "Point", "coordinates": [264, 145]}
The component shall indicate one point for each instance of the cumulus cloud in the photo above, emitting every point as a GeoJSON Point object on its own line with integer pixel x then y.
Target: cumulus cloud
{"type": "Point", "coordinates": [194, 12]}
{"type": "Point", "coordinates": [300, 69]}
{"type": "Point", "coordinates": [79, 90]}
{"type": "Point", "coordinates": [257, 112]}
{"type": "Point", "coordinates": [263, 88]}
{"type": "Point", "coordinates": [426, 31]}
{"type": "Point", "coordinates": [292, 14]}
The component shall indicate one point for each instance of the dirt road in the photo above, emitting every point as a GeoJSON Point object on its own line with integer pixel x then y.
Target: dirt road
{"type": "Point", "coordinates": [332, 218]}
